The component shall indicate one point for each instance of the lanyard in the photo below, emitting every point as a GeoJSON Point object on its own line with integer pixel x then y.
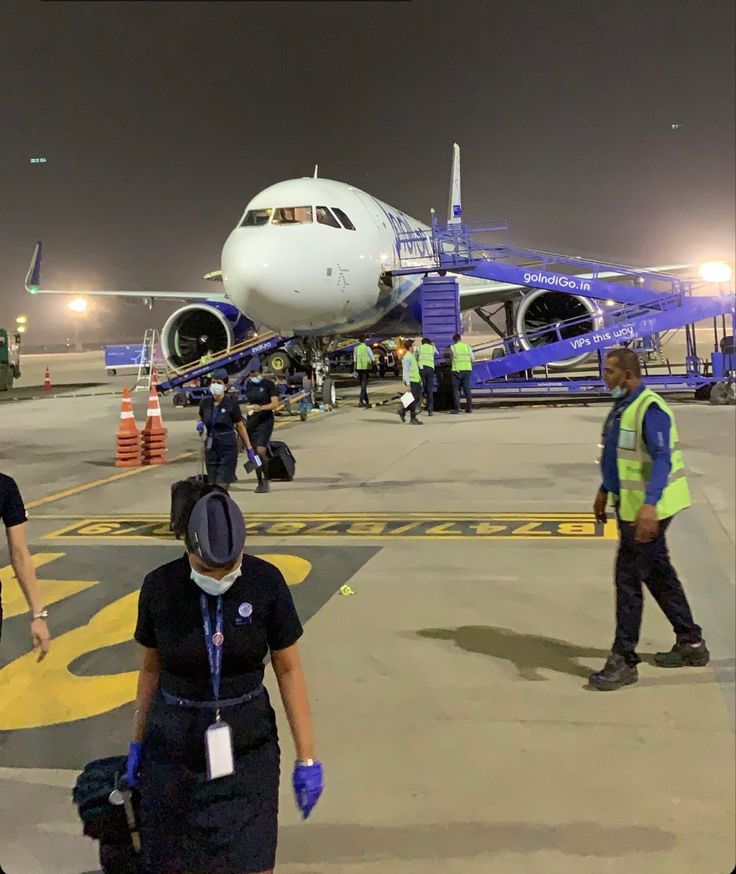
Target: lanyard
{"type": "Point", "coordinates": [214, 643]}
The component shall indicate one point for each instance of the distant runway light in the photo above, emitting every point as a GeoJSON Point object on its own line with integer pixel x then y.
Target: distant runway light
{"type": "Point", "coordinates": [38, 160]}
{"type": "Point", "coordinates": [676, 126]}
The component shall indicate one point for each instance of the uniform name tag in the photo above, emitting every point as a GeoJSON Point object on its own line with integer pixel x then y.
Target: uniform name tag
{"type": "Point", "coordinates": [627, 439]}
{"type": "Point", "coordinates": [218, 745]}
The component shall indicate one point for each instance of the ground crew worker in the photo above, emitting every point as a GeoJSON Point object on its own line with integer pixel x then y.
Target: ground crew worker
{"type": "Point", "coordinates": [262, 396]}
{"type": "Point", "coordinates": [462, 366]}
{"type": "Point", "coordinates": [413, 382]}
{"type": "Point", "coordinates": [205, 359]}
{"type": "Point", "coordinates": [205, 750]}
{"type": "Point", "coordinates": [14, 518]}
{"type": "Point", "coordinates": [425, 360]}
{"type": "Point", "coordinates": [363, 359]}
{"type": "Point", "coordinates": [644, 476]}
{"type": "Point", "coordinates": [220, 416]}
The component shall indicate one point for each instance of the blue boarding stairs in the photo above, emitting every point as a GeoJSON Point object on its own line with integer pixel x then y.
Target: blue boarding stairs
{"type": "Point", "coordinates": [641, 307]}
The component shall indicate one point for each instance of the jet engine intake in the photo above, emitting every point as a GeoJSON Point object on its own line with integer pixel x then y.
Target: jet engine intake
{"type": "Point", "coordinates": [541, 309]}
{"type": "Point", "coordinates": [197, 327]}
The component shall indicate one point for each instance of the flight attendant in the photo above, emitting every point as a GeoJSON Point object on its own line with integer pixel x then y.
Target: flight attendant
{"type": "Point", "coordinates": [221, 418]}
{"type": "Point", "coordinates": [205, 751]}
{"type": "Point", "coordinates": [262, 396]}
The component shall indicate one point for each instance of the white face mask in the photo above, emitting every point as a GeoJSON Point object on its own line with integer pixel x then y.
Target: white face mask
{"type": "Point", "coordinates": [256, 379]}
{"type": "Point", "coordinates": [212, 586]}
{"type": "Point", "coordinates": [217, 389]}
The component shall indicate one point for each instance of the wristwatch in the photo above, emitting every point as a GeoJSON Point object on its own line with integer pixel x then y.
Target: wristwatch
{"type": "Point", "coordinates": [305, 763]}
{"type": "Point", "coordinates": [43, 613]}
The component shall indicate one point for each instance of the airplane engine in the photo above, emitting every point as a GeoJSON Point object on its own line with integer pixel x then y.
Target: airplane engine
{"type": "Point", "coordinates": [541, 308]}
{"type": "Point", "coordinates": [191, 330]}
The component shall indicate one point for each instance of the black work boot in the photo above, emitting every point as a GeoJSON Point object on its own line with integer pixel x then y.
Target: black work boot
{"type": "Point", "coordinates": [415, 421]}
{"type": "Point", "coordinates": [617, 672]}
{"type": "Point", "coordinates": [402, 415]}
{"type": "Point", "coordinates": [684, 655]}
{"type": "Point", "coordinates": [262, 487]}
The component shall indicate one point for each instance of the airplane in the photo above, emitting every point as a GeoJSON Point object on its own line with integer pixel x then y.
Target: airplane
{"type": "Point", "coordinates": [314, 259]}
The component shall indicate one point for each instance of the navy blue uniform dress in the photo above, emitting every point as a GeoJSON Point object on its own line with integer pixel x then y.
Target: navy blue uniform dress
{"type": "Point", "coordinates": [220, 418]}
{"type": "Point", "coordinates": [12, 513]}
{"type": "Point", "coordinates": [190, 825]}
{"type": "Point", "coordinates": [260, 424]}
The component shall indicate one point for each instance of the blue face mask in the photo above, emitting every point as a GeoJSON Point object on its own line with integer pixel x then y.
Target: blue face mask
{"type": "Point", "coordinates": [618, 391]}
{"type": "Point", "coordinates": [256, 379]}
{"type": "Point", "coordinates": [216, 389]}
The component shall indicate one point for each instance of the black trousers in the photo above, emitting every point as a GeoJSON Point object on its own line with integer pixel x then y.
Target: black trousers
{"type": "Point", "coordinates": [461, 380]}
{"type": "Point", "coordinates": [363, 377]}
{"type": "Point", "coordinates": [427, 374]}
{"type": "Point", "coordinates": [416, 390]}
{"type": "Point", "coordinates": [648, 563]}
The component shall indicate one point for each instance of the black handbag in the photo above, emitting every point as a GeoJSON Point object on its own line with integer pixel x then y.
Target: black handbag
{"type": "Point", "coordinates": [109, 813]}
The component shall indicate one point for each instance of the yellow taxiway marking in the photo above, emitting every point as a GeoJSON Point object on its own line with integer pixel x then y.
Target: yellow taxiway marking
{"type": "Point", "coordinates": [380, 526]}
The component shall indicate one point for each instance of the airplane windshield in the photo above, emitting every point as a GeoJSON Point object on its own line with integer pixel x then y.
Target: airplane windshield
{"type": "Point", "coordinates": [292, 215]}
{"type": "Point", "coordinates": [343, 218]}
{"type": "Point", "coordinates": [325, 217]}
{"type": "Point", "coordinates": [255, 217]}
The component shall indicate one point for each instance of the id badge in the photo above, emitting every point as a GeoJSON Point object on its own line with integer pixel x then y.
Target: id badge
{"type": "Point", "coordinates": [218, 745]}
{"type": "Point", "coordinates": [627, 439]}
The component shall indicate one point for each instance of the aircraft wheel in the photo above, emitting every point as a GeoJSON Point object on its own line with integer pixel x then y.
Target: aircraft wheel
{"type": "Point", "coordinates": [180, 399]}
{"type": "Point", "coordinates": [278, 362]}
{"type": "Point", "coordinates": [719, 394]}
{"type": "Point", "coordinates": [329, 394]}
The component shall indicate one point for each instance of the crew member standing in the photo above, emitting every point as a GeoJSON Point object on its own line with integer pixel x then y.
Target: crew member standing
{"type": "Point", "coordinates": [205, 359]}
{"type": "Point", "coordinates": [462, 366]}
{"type": "Point", "coordinates": [425, 360]}
{"type": "Point", "coordinates": [14, 518]}
{"type": "Point", "coordinates": [262, 396]}
{"type": "Point", "coordinates": [413, 382]}
{"type": "Point", "coordinates": [205, 751]}
{"type": "Point", "coordinates": [644, 476]}
{"type": "Point", "coordinates": [221, 417]}
{"type": "Point", "coordinates": [363, 359]}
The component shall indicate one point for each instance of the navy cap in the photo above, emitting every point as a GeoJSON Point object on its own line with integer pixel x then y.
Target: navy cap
{"type": "Point", "coordinates": [220, 373]}
{"type": "Point", "coordinates": [217, 530]}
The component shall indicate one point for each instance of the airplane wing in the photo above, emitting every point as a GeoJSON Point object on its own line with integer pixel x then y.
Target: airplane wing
{"type": "Point", "coordinates": [33, 286]}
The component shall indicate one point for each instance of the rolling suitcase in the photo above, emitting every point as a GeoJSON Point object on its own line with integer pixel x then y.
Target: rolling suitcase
{"type": "Point", "coordinates": [184, 495]}
{"type": "Point", "coordinates": [281, 462]}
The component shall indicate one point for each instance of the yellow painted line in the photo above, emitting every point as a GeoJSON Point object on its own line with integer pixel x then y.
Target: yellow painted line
{"type": "Point", "coordinates": [84, 487]}
{"type": "Point", "coordinates": [290, 516]}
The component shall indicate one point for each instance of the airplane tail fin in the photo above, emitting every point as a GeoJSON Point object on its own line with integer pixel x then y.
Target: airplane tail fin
{"type": "Point", "coordinates": [33, 277]}
{"type": "Point", "coordinates": [455, 207]}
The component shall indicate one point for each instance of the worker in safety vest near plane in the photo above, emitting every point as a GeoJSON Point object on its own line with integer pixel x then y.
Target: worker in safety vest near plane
{"type": "Point", "coordinates": [644, 476]}
{"type": "Point", "coordinates": [425, 360]}
{"type": "Point", "coordinates": [206, 378]}
{"type": "Point", "coordinates": [462, 366]}
{"type": "Point", "coordinates": [363, 359]}
{"type": "Point", "coordinates": [413, 383]}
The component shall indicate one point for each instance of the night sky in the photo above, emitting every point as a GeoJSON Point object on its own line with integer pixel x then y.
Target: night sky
{"type": "Point", "coordinates": [160, 121]}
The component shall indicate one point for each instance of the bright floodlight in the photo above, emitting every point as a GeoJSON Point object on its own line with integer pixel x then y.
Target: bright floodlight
{"type": "Point", "coordinates": [715, 271]}
{"type": "Point", "coordinates": [21, 320]}
{"type": "Point", "coordinates": [78, 305]}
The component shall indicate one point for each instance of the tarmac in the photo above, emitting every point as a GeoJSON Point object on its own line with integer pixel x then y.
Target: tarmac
{"type": "Point", "coordinates": [448, 682]}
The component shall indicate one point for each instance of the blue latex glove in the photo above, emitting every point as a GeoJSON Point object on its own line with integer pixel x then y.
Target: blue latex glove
{"type": "Point", "coordinates": [135, 757]}
{"type": "Point", "coordinates": [308, 782]}
{"type": "Point", "coordinates": [254, 461]}
{"type": "Point", "coordinates": [200, 427]}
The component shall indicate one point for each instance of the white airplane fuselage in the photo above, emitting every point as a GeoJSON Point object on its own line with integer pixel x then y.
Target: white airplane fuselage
{"type": "Point", "coordinates": [310, 277]}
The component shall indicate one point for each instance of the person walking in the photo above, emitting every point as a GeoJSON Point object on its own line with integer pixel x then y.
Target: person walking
{"type": "Point", "coordinates": [15, 519]}
{"type": "Point", "coordinates": [263, 398]}
{"type": "Point", "coordinates": [426, 361]}
{"type": "Point", "coordinates": [205, 752]}
{"type": "Point", "coordinates": [221, 418]}
{"type": "Point", "coordinates": [413, 383]}
{"type": "Point", "coordinates": [644, 477]}
{"type": "Point", "coordinates": [462, 367]}
{"type": "Point", "coordinates": [363, 359]}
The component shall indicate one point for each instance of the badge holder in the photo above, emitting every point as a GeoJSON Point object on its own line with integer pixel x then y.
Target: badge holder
{"type": "Point", "coordinates": [218, 737]}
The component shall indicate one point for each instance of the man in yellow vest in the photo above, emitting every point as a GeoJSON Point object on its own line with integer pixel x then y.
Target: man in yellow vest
{"type": "Point", "coordinates": [363, 360]}
{"type": "Point", "coordinates": [425, 360]}
{"type": "Point", "coordinates": [206, 378]}
{"type": "Point", "coordinates": [413, 383]}
{"type": "Point", "coordinates": [462, 366]}
{"type": "Point", "coordinates": [644, 478]}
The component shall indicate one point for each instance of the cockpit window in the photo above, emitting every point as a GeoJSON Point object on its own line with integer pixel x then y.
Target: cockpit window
{"type": "Point", "coordinates": [343, 218]}
{"type": "Point", "coordinates": [325, 217]}
{"type": "Point", "coordinates": [255, 217]}
{"type": "Point", "coordinates": [292, 215]}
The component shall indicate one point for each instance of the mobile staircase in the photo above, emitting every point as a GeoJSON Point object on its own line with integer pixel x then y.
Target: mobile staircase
{"type": "Point", "coordinates": [641, 307]}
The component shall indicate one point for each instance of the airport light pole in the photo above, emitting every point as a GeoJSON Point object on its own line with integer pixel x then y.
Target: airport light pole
{"type": "Point", "coordinates": [78, 307]}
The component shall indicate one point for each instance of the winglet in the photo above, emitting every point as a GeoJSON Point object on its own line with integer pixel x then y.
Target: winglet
{"type": "Point", "coordinates": [33, 277]}
{"type": "Point", "coordinates": [316, 171]}
{"type": "Point", "coordinates": [455, 206]}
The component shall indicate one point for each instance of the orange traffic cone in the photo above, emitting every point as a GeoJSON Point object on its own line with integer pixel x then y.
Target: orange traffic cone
{"type": "Point", "coordinates": [47, 380]}
{"type": "Point", "coordinates": [153, 435]}
{"type": "Point", "coordinates": [127, 439]}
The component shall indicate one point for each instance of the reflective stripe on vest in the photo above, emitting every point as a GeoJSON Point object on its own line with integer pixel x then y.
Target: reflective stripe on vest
{"type": "Point", "coordinates": [427, 351]}
{"type": "Point", "coordinates": [362, 358]}
{"type": "Point", "coordinates": [635, 464]}
{"type": "Point", "coordinates": [413, 368]}
{"type": "Point", "coordinates": [461, 359]}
